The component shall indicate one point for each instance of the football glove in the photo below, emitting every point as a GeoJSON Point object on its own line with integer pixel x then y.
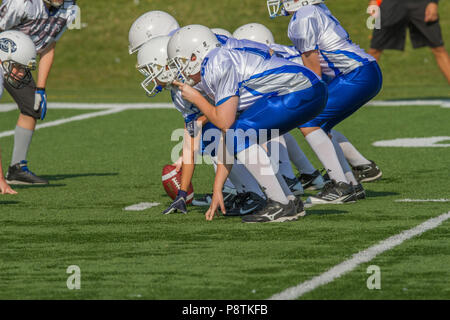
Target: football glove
{"type": "Point", "coordinates": [40, 102]}
{"type": "Point", "coordinates": [179, 204]}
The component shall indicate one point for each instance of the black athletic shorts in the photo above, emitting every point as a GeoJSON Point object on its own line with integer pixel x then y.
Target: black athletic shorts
{"type": "Point", "coordinates": [24, 98]}
{"type": "Point", "coordinates": [398, 15]}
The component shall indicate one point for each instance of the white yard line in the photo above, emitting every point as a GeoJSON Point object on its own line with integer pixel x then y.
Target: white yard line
{"type": "Point", "coordinates": [94, 106]}
{"type": "Point", "coordinates": [402, 103]}
{"type": "Point", "coordinates": [67, 120]}
{"type": "Point", "coordinates": [358, 258]}
{"type": "Point", "coordinates": [142, 206]}
{"type": "Point", "coordinates": [423, 200]}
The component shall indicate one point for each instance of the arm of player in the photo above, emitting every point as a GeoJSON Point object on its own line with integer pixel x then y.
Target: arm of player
{"type": "Point", "coordinates": [222, 116]}
{"type": "Point", "coordinates": [223, 170]}
{"type": "Point", "coordinates": [4, 187]}
{"type": "Point", "coordinates": [432, 12]}
{"type": "Point", "coordinates": [45, 65]}
{"type": "Point", "coordinates": [312, 61]}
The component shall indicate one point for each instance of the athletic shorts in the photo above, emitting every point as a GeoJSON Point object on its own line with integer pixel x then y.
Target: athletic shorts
{"type": "Point", "coordinates": [399, 15]}
{"type": "Point", "coordinates": [282, 113]}
{"type": "Point", "coordinates": [24, 98]}
{"type": "Point", "coordinates": [348, 93]}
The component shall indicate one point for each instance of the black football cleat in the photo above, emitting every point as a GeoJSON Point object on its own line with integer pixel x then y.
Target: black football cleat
{"type": "Point", "coordinates": [274, 212]}
{"type": "Point", "coordinates": [245, 203]}
{"type": "Point", "coordinates": [333, 193]}
{"type": "Point", "coordinates": [313, 181]}
{"type": "Point", "coordinates": [367, 173]}
{"type": "Point", "coordinates": [19, 174]}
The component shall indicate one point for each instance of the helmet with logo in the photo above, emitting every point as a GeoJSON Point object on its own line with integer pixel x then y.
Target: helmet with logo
{"type": "Point", "coordinates": [149, 25]}
{"type": "Point", "coordinates": [18, 57]}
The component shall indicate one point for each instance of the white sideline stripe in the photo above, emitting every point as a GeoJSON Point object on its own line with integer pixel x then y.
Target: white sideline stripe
{"type": "Point", "coordinates": [358, 258]}
{"type": "Point", "coordinates": [6, 107]}
{"type": "Point", "coordinates": [428, 142]}
{"type": "Point", "coordinates": [141, 206]}
{"type": "Point", "coordinates": [403, 103]}
{"type": "Point", "coordinates": [71, 119]}
{"type": "Point", "coordinates": [423, 200]}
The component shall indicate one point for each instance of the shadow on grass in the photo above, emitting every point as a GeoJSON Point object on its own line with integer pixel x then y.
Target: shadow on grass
{"type": "Point", "coordinates": [58, 177]}
{"type": "Point", "coordinates": [377, 194]}
{"type": "Point", "coordinates": [8, 203]}
{"type": "Point", "coordinates": [38, 186]}
{"type": "Point", "coordinates": [324, 211]}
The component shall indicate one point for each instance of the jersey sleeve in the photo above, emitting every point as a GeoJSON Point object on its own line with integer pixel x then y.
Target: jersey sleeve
{"type": "Point", "coordinates": [11, 14]}
{"type": "Point", "coordinates": [304, 33]}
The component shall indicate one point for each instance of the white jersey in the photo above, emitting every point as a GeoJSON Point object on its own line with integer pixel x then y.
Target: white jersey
{"type": "Point", "coordinates": [313, 27]}
{"type": "Point", "coordinates": [252, 75]}
{"type": "Point", "coordinates": [287, 52]}
{"type": "Point", "coordinates": [32, 17]}
{"type": "Point", "coordinates": [189, 111]}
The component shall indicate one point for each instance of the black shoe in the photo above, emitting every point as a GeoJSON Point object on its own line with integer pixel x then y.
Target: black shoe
{"type": "Point", "coordinates": [299, 207]}
{"type": "Point", "coordinates": [246, 203]}
{"type": "Point", "coordinates": [274, 212]}
{"type": "Point", "coordinates": [294, 185]}
{"type": "Point", "coordinates": [205, 201]}
{"type": "Point", "coordinates": [178, 205]}
{"type": "Point", "coordinates": [367, 173]}
{"type": "Point", "coordinates": [19, 174]}
{"type": "Point", "coordinates": [360, 192]}
{"type": "Point", "coordinates": [333, 193]}
{"type": "Point", "coordinates": [312, 181]}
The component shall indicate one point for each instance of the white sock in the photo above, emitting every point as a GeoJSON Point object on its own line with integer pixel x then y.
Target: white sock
{"type": "Point", "coordinates": [344, 164]}
{"type": "Point", "coordinates": [279, 144]}
{"type": "Point", "coordinates": [297, 156]}
{"type": "Point", "coordinates": [324, 149]}
{"type": "Point", "coordinates": [351, 153]}
{"type": "Point", "coordinates": [261, 169]}
{"type": "Point", "coordinates": [243, 180]}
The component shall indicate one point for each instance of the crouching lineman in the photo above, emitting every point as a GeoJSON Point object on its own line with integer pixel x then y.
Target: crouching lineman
{"type": "Point", "coordinates": [353, 78]}
{"type": "Point", "coordinates": [17, 58]}
{"type": "Point", "coordinates": [250, 93]}
{"type": "Point", "coordinates": [44, 21]}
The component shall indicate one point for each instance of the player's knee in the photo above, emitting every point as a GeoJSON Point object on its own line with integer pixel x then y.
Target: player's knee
{"type": "Point", "coordinates": [439, 50]}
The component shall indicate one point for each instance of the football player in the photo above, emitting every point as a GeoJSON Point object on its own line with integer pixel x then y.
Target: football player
{"type": "Point", "coordinates": [44, 21]}
{"type": "Point", "coordinates": [353, 77]}
{"type": "Point", "coordinates": [17, 59]}
{"type": "Point", "coordinates": [249, 91]}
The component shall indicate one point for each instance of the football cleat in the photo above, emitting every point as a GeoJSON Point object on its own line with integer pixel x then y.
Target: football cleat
{"type": "Point", "coordinates": [294, 185]}
{"type": "Point", "coordinates": [246, 203]}
{"type": "Point", "coordinates": [333, 193]}
{"type": "Point", "coordinates": [312, 181]}
{"type": "Point", "coordinates": [360, 192]}
{"type": "Point", "coordinates": [367, 173]}
{"type": "Point", "coordinates": [179, 204]}
{"type": "Point", "coordinates": [19, 174]}
{"type": "Point", "coordinates": [300, 207]}
{"type": "Point", "coordinates": [274, 212]}
{"type": "Point", "coordinates": [203, 201]}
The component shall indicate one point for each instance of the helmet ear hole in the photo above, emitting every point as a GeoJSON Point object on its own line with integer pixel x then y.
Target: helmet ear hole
{"type": "Point", "coordinates": [193, 57]}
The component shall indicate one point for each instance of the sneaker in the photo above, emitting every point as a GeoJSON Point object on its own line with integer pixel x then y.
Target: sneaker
{"type": "Point", "coordinates": [300, 207]}
{"type": "Point", "coordinates": [360, 192]}
{"type": "Point", "coordinates": [334, 193]}
{"type": "Point", "coordinates": [273, 212]}
{"type": "Point", "coordinates": [294, 185]}
{"type": "Point", "coordinates": [246, 203]}
{"type": "Point", "coordinates": [205, 201]}
{"type": "Point", "coordinates": [367, 173]}
{"type": "Point", "coordinates": [19, 174]}
{"type": "Point", "coordinates": [312, 181]}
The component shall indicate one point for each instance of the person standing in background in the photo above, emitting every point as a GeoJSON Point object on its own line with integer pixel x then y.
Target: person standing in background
{"type": "Point", "coordinates": [422, 19]}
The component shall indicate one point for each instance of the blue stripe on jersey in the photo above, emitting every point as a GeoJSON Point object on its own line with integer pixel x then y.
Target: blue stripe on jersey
{"type": "Point", "coordinates": [330, 64]}
{"type": "Point", "coordinates": [191, 117]}
{"type": "Point", "coordinates": [349, 54]}
{"type": "Point", "coordinates": [264, 54]}
{"type": "Point", "coordinates": [257, 93]}
{"type": "Point", "coordinates": [223, 101]}
{"type": "Point", "coordinates": [221, 38]}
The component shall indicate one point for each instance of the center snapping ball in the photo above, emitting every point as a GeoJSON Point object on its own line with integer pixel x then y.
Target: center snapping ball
{"type": "Point", "coordinates": [171, 180]}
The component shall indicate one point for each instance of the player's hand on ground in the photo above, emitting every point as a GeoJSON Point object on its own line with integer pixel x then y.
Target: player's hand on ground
{"type": "Point", "coordinates": [431, 12]}
{"type": "Point", "coordinates": [40, 102]}
{"type": "Point", "coordinates": [178, 164]}
{"type": "Point", "coordinates": [179, 204]}
{"type": "Point", "coordinates": [216, 204]}
{"type": "Point", "coordinates": [187, 92]}
{"type": "Point", "coordinates": [5, 188]}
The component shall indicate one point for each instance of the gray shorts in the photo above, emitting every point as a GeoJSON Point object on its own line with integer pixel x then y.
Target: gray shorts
{"type": "Point", "coordinates": [24, 98]}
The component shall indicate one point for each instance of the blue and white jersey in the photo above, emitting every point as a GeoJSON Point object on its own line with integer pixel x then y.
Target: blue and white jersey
{"type": "Point", "coordinates": [251, 75]}
{"type": "Point", "coordinates": [313, 27]}
{"type": "Point", "coordinates": [189, 111]}
{"type": "Point", "coordinates": [240, 44]}
{"type": "Point", "coordinates": [287, 52]}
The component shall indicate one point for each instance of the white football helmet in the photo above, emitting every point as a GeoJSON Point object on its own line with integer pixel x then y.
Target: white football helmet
{"type": "Point", "coordinates": [152, 63]}
{"type": "Point", "coordinates": [18, 57]}
{"type": "Point", "coordinates": [149, 25]}
{"type": "Point", "coordinates": [188, 47]}
{"type": "Point", "coordinates": [274, 6]}
{"type": "Point", "coordinates": [255, 32]}
{"type": "Point", "coordinates": [222, 32]}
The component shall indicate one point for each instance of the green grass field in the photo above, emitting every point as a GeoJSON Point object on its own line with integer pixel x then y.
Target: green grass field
{"type": "Point", "coordinates": [99, 166]}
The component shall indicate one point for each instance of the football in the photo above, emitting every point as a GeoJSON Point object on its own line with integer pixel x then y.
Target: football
{"type": "Point", "coordinates": [171, 180]}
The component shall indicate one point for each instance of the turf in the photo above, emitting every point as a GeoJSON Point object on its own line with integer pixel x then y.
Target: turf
{"type": "Point", "coordinates": [99, 166]}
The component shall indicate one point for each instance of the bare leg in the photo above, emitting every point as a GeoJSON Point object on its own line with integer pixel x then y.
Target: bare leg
{"type": "Point", "coordinates": [443, 60]}
{"type": "Point", "coordinates": [376, 53]}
